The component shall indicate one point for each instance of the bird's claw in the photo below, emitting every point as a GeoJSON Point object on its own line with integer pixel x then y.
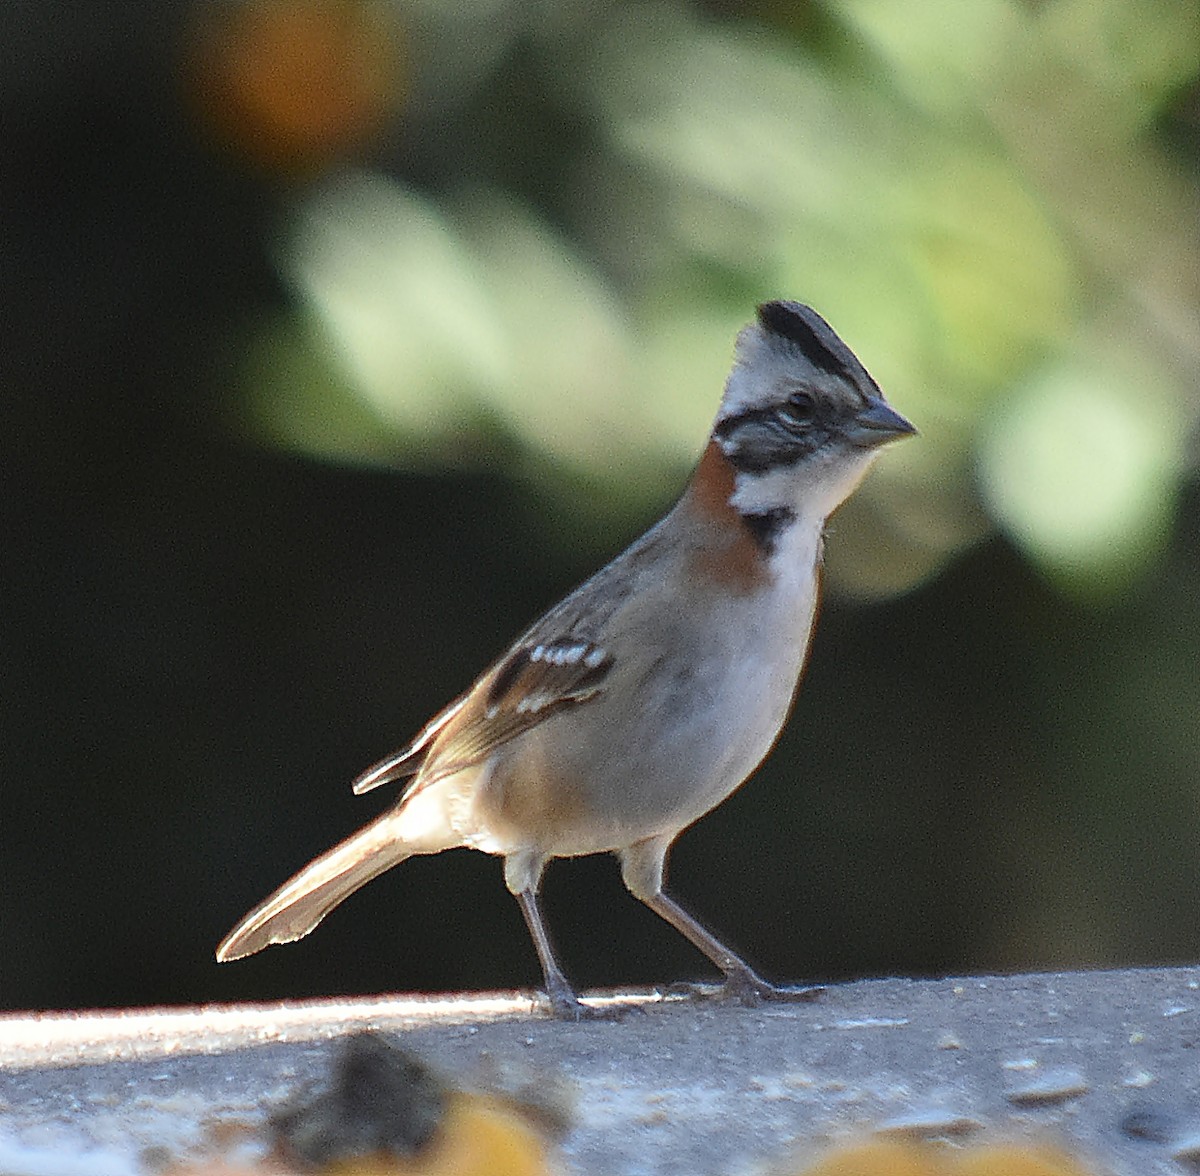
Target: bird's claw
{"type": "Point", "coordinates": [749, 990]}
{"type": "Point", "coordinates": [564, 1005]}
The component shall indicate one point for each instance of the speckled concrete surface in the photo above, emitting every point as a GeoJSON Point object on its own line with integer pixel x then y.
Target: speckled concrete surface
{"type": "Point", "coordinates": [1107, 1063]}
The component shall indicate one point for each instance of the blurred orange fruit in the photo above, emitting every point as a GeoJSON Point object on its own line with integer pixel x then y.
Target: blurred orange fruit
{"type": "Point", "coordinates": [293, 86]}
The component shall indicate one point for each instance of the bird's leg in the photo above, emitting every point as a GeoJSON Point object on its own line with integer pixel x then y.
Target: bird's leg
{"type": "Point", "coordinates": [523, 876]}
{"type": "Point", "coordinates": [563, 1001]}
{"type": "Point", "coordinates": [743, 985]}
{"type": "Point", "coordinates": [642, 868]}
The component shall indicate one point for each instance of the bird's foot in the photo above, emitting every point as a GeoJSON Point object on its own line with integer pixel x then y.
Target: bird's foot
{"type": "Point", "coordinates": [561, 1002]}
{"type": "Point", "coordinates": [747, 989]}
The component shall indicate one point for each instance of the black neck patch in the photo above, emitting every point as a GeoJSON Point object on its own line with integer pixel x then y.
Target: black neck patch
{"type": "Point", "coordinates": [810, 332]}
{"type": "Point", "coordinates": [765, 526]}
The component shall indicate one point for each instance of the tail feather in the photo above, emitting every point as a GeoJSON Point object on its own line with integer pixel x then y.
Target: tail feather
{"type": "Point", "coordinates": [304, 900]}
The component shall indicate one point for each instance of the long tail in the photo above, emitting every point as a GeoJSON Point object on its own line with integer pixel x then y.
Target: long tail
{"type": "Point", "coordinates": [303, 901]}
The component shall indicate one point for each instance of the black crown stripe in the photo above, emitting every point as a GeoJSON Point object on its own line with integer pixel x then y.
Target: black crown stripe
{"type": "Point", "coordinates": [795, 322]}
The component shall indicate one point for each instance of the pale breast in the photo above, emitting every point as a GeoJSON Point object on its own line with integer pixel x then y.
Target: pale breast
{"type": "Point", "coordinates": [699, 691]}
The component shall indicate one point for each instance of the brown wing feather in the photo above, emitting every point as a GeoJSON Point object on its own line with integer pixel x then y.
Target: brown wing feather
{"type": "Point", "coordinates": [534, 682]}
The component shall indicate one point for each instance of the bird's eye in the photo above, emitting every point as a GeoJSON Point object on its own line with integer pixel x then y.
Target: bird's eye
{"type": "Point", "coordinates": [797, 410]}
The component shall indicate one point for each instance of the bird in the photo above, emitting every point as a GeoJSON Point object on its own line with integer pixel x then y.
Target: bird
{"type": "Point", "coordinates": [649, 694]}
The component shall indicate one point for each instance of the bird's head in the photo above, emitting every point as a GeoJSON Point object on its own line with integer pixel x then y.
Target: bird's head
{"type": "Point", "coordinates": [801, 419]}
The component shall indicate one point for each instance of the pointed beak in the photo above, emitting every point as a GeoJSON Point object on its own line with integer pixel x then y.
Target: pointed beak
{"type": "Point", "coordinates": [877, 424]}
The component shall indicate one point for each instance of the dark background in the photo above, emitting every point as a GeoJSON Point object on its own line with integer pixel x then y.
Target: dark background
{"type": "Point", "coordinates": [205, 637]}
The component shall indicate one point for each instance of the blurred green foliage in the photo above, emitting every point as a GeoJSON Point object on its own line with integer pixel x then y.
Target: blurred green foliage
{"type": "Point", "coordinates": [982, 198]}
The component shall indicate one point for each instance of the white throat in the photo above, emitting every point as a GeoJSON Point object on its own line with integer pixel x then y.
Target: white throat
{"type": "Point", "coordinates": [810, 490]}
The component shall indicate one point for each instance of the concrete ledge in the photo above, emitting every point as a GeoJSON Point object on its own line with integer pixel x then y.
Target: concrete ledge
{"type": "Point", "coordinates": [1106, 1063]}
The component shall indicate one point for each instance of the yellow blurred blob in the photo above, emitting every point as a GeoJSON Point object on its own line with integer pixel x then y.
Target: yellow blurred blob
{"type": "Point", "coordinates": [1016, 1161]}
{"type": "Point", "coordinates": [889, 1158]}
{"type": "Point", "coordinates": [902, 1158]}
{"type": "Point", "coordinates": [478, 1136]}
{"type": "Point", "coordinates": [292, 86]}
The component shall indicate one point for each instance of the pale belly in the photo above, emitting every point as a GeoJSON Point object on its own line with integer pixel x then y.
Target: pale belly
{"type": "Point", "coordinates": [640, 763]}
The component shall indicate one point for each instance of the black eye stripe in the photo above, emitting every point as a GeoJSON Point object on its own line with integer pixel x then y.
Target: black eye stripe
{"type": "Point", "coordinates": [749, 416]}
{"type": "Point", "coordinates": [788, 415]}
{"type": "Point", "coordinates": [754, 442]}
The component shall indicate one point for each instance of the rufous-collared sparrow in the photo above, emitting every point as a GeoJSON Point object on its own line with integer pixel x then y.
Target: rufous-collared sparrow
{"type": "Point", "coordinates": [646, 696]}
